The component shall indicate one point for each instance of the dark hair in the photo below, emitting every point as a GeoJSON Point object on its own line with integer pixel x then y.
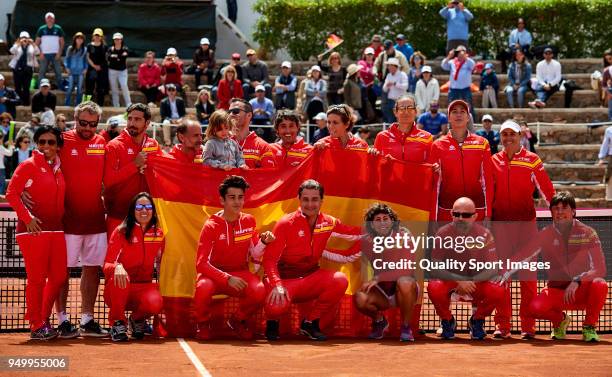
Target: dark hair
{"type": "Point", "coordinates": [140, 107]}
{"type": "Point", "coordinates": [345, 112]}
{"type": "Point", "coordinates": [46, 129]}
{"type": "Point", "coordinates": [247, 106]}
{"type": "Point", "coordinates": [606, 53]}
{"type": "Point", "coordinates": [563, 197]}
{"type": "Point", "coordinates": [310, 184]}
{"type": "Point", "coordinates": [149, 53]}
{"type": "Point", "coordinates": [129, 222]}
{"type": "Point", "coordinates": [216, 121]}
{"type": "Point", "coordinates": [286, 114]}
{"type": "Point", "coordinates": [234, 181]}
{"type": "Point", "coordinates": [377, 209]}
{"type": "Point", "coordinates": [73, 50]}
{"type": "Point", "coordinates": [6, 115]}
{"type": "Point", "coordinates": [20, 139]}
{"type": "Point", "coordinates": [184, 126]}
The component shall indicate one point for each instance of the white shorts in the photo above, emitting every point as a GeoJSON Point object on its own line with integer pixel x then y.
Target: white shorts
{"type": "Point", "coordinates": [86, 249]}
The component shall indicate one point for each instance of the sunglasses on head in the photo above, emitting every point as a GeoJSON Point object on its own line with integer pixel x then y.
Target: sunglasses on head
{"type": "Point", "coordinates": [84, 123]}
{"type": "Point", "coordinates": [463, 215]}
{"type": "Point", "coordinates": [140, 207]}
{"type": "Point", "coordinates": [49, 142]}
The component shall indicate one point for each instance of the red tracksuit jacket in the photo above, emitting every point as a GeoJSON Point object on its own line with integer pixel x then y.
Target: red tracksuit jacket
{"type": "Point", "coordinates": [137, 255]}
{"type": "Point", "coordinates": [292, 156]}
{"type": "Point", "coordinates": [122, 181]}
{"type": "Point", "coordinates": [414, 145]}
{"type": "Point", "coordinates": [226, 246]}
{"type": "Point", "coordinates": [178, 153]}
{"type": "Point", "coordinates": [354, 143]}
{"type": "Point", "coordinates": [515, 182]}
{"type": "Point", "coordinates": [465, 170]}
{"type": "Point", "coordinates": [45, 183]}
{"type": "Point", "coordinates": [297, 250]}
{"type": "Point", "coordinates": [256, 152]}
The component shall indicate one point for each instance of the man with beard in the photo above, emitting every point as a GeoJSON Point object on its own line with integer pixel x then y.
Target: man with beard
{"type": "Point", "coordinates": [189, 134]}
{"type": "Point", "coordinates": [291, 149]}
{"type": "Point", "coordinates": [256, 152]}
{"type": "Point", "coordinates": [433, 121]}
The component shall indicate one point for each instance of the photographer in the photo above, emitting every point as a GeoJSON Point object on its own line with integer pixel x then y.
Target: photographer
{"type": "Point", "coordinates": [457, 18]}
{"type": "Point", "coordinates": [23, 61]}
{"type": "Point", "coordinates": [172, 70]}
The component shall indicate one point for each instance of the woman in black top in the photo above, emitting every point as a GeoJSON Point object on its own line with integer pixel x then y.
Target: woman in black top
{"type": "Point", "coordinates": [336, 74]}
{"type": "Point", "coordinates": [97, 69]}
{"type": "Point", "coordinates": [116, 57]}
{"type": "Point", "coordinates": [204, 106]}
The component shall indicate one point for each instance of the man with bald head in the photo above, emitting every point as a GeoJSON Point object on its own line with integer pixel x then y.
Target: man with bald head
{"type": "Point", "coordinates": [459, 279]}
{"type": "Point", "coordinates": [189, 134]}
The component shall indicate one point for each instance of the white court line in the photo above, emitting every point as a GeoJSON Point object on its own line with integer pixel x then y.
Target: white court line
{"type": "Point", "coordinates": [194, 359]}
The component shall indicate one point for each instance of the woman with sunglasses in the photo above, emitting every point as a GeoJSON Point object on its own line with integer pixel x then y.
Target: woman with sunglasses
{"type": "Point", "coordinates": [340, 122]}
{"type": "Point", "coordinates": [133, 249]}
{"type": "Point", "coordinates": [21, 154]}
{"type": "Point", "coordinates": [40, 231]}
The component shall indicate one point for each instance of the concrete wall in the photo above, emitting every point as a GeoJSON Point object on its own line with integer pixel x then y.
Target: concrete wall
{"type": "Point", "coordinates": [6, 6]}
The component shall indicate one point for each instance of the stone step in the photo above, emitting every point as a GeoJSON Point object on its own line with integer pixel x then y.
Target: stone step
{"type": "Point", "coordinates": [584, 192]}
{"type": "Point", "coordinates": [575, 172]}
{"type": "Point", "coordinates": [570, 134]}
{"type": "Point", "coordinates": [593, 203]}
{"type": "Point", "coordinates": [568, 152]}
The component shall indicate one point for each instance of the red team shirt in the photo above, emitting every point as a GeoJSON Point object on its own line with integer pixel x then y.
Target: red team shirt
{"type": "Point", "coordinates": [256, 152]}
{"type": "Point", "coordinates": [292, 156]}
{"type": "Point", "coordinates": [45, 183]}
{"type": "Point", "coordinates": [227, 246]}
{"type": "Point", "coordinates": [515, 182]}
{"type": "Point", "coordinates": [353, 144]}
{"type": "Point", "coordinates": [178, 153]}
{"type": "Point", "coordinates": [414, 145]}
{"type": "Point", "coordinates": [83, 167]}
{"type": "Point", "coordinates": [122, 181]}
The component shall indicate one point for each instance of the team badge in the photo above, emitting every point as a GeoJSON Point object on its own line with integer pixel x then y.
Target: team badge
{"type": "Point", "coordinates": [301, 233]}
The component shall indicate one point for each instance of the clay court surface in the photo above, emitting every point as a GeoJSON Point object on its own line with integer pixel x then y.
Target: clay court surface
{"type": "Point", "coordinates": [428, 356]}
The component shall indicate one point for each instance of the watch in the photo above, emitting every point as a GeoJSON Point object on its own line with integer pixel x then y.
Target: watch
{"type": "Point", "coordinates": [577, 280]}
{"type": "Point", "coordinates": [280, 289]}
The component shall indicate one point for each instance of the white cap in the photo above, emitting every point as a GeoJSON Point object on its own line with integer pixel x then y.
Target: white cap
{"type": "Point", "coordinates": [204, 41]}
{"type": "Point", "coordinates": [369, 50]}
{"type": "Point", "coordinates": [24, 34]}
{"type": "Point", "coordinates": [320, 116]}
{"type": "Point", "coordinates": [426, 68]}
{"type": "Point", "coordinates": [117, 36]}
{"type": "Point", "coordinates": [49, 14]}
{"type": "Point", "coordinates": [510, 124]}
{"type": "Point", "coordinates": [171, 51]}
{"type": "Point", "coordinates": [487, 117]}
{"type": "Point", "coordinates": [286, 64]}
{"type": "Point", "coordinates": [1, 77]}
{"type": "Point", "coordinates": [315, 68]}
{"type": "Point", "coordinates": [393, 61]}
{"type": "Point", "coordinates": [260, 88]}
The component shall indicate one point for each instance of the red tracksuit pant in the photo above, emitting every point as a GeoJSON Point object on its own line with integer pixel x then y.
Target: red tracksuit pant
{"type": "Point", "coordinates": [111, 224]}
{"type": "Point", "coordinates": [590, 296]}
{"type": "Point", "coordinates": [251, 298]}
{"type": "Point", "coordinates": [143, 299]}
{"type": "Point", "coordinates": [486, 297]}
{"type": "Point", "coordinates": [44, 256]}
{"type": "Point", "coordinates": [325, 287]}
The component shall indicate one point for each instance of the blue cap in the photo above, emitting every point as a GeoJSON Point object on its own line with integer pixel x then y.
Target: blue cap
{"type": "Point", "coordinates": [489, 66]}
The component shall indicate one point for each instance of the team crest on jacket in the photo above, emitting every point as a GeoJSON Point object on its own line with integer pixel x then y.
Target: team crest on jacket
{"type": "Point", "coordinates": [301, 233]}
{"type": "Point", "coordinates": [130, 151]}
{"type": "Point", "coordinates": [74, 152]}
{"type": "Point", "coordinates": [222, 237]}
{"type": "Point", "coordinates": [451, 148]}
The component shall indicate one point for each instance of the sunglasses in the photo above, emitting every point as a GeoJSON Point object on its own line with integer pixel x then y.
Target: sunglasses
{"type": "Point", "coordinates": [236, 110]}
{"type": "Point", "coordinates": [140, 207]}
{"type": "Point", "coordinates": [26, 142]}
{"type": "Point", "coordinates": [463, 215]}
{"type": "Point", "coordinates": [171, 90]}
{"type": "Point", "coordinates": [49, 142]}
{"type": "Point", "coordinates": [84, 123]}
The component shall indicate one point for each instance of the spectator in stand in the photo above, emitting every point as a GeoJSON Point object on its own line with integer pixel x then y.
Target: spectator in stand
{"type": "Point", "coordinates": [602, 85]}
{"type": "Point", "coordinates": [9, 99]}
{"type": "Point", "coordinates": [460, 67]}
{"type": "Point", "coordinates": [263, 108]}
{"type": "Point", "coordinates": [203, 63]}
{"type": "Point", "coordinates": [5, 152]}
{"type": "Point", "coordinates": [116, 56]}
{"type": "Point", "coordinates": [111, 131]}
{"type": "Point", "coordinates": [149, 78]}
{"type": "Point", "coordinates": [50, 40]}
{"type": "Point", "coordinates": [457, 24]}
{"type": "Point", "coordinates": [528, 138]}
{"type": "Point", "coordinates": [519, 40]}
{"type": "Point", "coordinates": [230, 87]}
{"type": "Point", "coordinates": [380, 68]}
{"type": "Point", "coordinates": [172, 69]}
{"type": "Point", "coordinates": [44, 100]}
{"type": "Point", "coordinates": [23, 62]}
{"type": "Point", "coordinates": [376, 45]}
{"type": "Point", "coordinates": [417, 60]}
{"type": "Point", "coordinates": [489, 133]}
{"type": "Point", "coordinates": [255, 72]}
{"type": "Point", "coordinates": [336, 75]}
{"type": "Point", "coordinates": [22, 152]}
{"type": "Point", "coordinates": [489, 85]}
{"type": "Point", "coordinates": [316, 93]}
{"type": "Point", "coordinates": [404, 47]}
{"type": "Point", "coordinates": [60, 122]}
{"type": "Point", "coordinates": [605, 155]}
{"type": "Point", "coordinates": [75, 62]}
{"type": "Point", "coordinates": [285, 86]}
{"type": "Point", "coordinates": [395, 86]}
{"type": "Point", "coordinates": [204, 106]}
{"type": "Point", "coordinates": [352, 91]}
{"type": "Point", "coordinates": [322, 131]}
{"type": "Point", "coordinates": [96, 77]}
{"type": "Point", "coordinates": [433, 121]}
{"type": "Point", "coordinates": [5, 124]}
{"type": "Point", "coordinates": [366, 73]}
{"type": "Point", "coordinates": [548, 74]}
{"type": "Point", "coordinates": [30, 128]}
{"type": "Point", "coordinates": [235, 62]}
{"type": "Point", "coordinates": [519, 79]}
{"type": "Point", "coordinates": [427, 90]}
{"type": "Point", "coordinates": [171, 110]}
{"type": "Point", "coordinates": [300, 99]}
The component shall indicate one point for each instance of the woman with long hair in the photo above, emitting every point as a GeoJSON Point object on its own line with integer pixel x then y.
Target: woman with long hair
{"type": "Point", "coordinates": [316, 93]}
{"type": "Point", "coordinates": [336, 74]}
{"type": "Point", "coordinates": [204, 106]}
{"type": "Point", "coordinates": [76, 66]}
{"type": "Point", "coordinates": [519, 76]}
{"type": "Point", "coordinates": [133, 249]}
{"type": "Point", "coordinates": [96, 77]}
{"type": "Point", "coordinates": [417, 61]}
{"type": "Point", "coordinates": [229, 87]}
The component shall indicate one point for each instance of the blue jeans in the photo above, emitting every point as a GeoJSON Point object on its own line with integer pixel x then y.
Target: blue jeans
{"type": "Point", "coordinates": [387, 109]}
{"type": "Point", "coordinates": [544, 95]}
{"type": "Point", "coordinates": [57, 66]}
{"type": "Point", "coordinates": [74, 81]}
{"type": "Point", "coordinates": [520, 95]}
{"type": "Point", "coordinates": [2, 178]}
{"type": "Point", "coordinates": [464, 94]}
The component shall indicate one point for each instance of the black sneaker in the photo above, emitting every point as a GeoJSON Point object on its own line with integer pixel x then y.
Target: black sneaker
{"type": "Point", "coordinates": [137, 328]}
{"type": "Point", "coordinates": [45, 332]}
{"type": "Point", "coordinates": [119, 332]}
{"type": "Point", "coordinates": [311, 330]}
{"type": "Point", "coordinates": [476, 327]}
{"type": "Point", "coordinates": [67, 330]}
{"type": "Point", "coordinates": [147, 328]}
{"type": "Point", "coordinates": [272, 330]}
{"type": "Point", "coordinates": [379, 328]}
{"type": "Point", "coordinates": [448, 328]}
{"type": "Point", "coordinates": [93, 329]}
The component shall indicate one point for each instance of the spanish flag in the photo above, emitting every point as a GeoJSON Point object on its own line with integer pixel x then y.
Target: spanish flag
{"type": "Point", "coordinates": [186, 195]}
{"type": "Point", "coordinates": [333, 41]}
